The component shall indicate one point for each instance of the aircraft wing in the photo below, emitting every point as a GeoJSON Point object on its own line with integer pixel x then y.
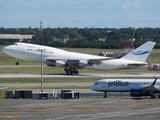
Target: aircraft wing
{"type": "Point", "coordinates": [97, 61]}
{"type": "Point", "coordinates": [78, 63]}
{"type": "Point", "coordinates": [137, 64]}
{"type": "Point", "coordinates": [148, 90]}
{"type": "Point", "coordinates": [151, 89]}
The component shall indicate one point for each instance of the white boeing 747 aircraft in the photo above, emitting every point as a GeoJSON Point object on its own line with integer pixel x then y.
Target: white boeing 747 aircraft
{"type": "Point", "coordinates": [72, 61]}
{"type": "Point", "coordinates": [136, 87]}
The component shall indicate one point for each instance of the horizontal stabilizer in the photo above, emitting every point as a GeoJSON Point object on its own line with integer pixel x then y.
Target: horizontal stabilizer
{"type": "Point", "coordinates": [138, 64]}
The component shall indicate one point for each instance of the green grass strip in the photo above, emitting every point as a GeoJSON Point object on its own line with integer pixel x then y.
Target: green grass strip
{"type": "Point", "coordinates": [49, 87]}
{"type": "Point", "coordinates": [47, 80]}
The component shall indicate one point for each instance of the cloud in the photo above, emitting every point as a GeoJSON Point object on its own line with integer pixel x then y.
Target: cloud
{"type": "Point", "coordinates": [137, 4]}
{"type": "Point", "coordinates": [126, 5]}
{"type": "Point", "coordinates": [131, 4]}
{"type": "Point", "coordinates": [24, 20]}
{"type": "Point", "coordinates": [36, 6]}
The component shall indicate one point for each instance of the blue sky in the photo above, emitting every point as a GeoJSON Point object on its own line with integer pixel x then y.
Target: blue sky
{"type": "Point", "coordinates": [80, 13]}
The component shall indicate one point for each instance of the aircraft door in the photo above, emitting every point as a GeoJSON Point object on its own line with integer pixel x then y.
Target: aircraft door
{"type": "Point", "coordinates": [20, 53]}
{"type": "Point", "coordinates": [104, 86]}
{"type": "Point", "coordinates": [24, 54]}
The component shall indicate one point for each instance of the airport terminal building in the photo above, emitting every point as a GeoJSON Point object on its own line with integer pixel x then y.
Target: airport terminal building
{"type": "Point", "coordinates": [11, 38]}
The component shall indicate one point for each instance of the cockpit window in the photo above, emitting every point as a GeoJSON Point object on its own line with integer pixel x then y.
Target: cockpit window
{"type": "Point", "coordinates": [96, 83]}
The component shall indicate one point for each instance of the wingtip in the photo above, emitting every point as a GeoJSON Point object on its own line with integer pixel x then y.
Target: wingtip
{"type": "Point", "coordinates": [154, 82]}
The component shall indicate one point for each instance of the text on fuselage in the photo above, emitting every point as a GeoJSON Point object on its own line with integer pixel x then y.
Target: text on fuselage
{"type": "Point", "coordinates": [117, 83]}
{"type": "Point", "coordinates": [30, 48]}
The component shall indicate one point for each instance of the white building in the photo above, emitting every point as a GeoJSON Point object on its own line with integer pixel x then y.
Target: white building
{"type": "Point", "coordinates": [14, 37]}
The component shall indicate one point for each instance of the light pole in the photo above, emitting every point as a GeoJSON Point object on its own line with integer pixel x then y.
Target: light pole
{"type": "Point", "coordinates": [42, 50]}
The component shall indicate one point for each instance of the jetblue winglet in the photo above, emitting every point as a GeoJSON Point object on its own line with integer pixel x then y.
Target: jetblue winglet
{"type": "Point", "coordinates": [154, 82]}
{"type": "Point", "coordinates": [141, 53]}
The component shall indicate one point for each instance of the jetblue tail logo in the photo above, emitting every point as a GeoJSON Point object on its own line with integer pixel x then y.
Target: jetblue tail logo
{"type": "Point", "coordinates": [140, 52]}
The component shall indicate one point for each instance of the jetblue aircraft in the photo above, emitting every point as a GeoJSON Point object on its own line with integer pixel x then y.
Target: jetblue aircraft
{"type": "Point", "coordinates": [72, 61]}
{"type": "Point", "coordinates": [136, 87]}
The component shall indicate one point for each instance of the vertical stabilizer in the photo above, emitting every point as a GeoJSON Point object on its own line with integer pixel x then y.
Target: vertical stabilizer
{"type": "Point", "coordinates": [141, 53]}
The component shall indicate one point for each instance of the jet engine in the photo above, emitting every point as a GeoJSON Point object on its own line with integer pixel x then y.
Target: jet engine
{"type": "Point", "coordinates": [135, 93]}
{"type": "Point", "coordinates": [51, 64]}
{"type": "Point", "coordinates": [58, 63]}
{"type": "Point", "coordinates": [83, 63]}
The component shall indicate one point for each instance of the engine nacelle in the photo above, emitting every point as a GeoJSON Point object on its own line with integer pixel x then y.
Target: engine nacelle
{"type": "Point", "coordinates": [57, 63]}
{"type": "Point", "coordinates": [135, 93]}
{"type": "Point", "coordinates": [60, 63]}
{"type": "Point", "coordinates": [83, 63]}
{"type": "Point", "coordinates": [51, 64]}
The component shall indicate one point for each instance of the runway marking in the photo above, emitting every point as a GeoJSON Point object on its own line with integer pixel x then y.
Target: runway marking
{"type": "Point", "coordinates": [148, 104]}
{"type": "Point", "coordinates": [29, 85]}
{"type": "Point", "coordinates": [74, 100]}
{"type": "Point", "coordinates": [95, 116]}
{"type": "Point", "coordinates": [9, 117]}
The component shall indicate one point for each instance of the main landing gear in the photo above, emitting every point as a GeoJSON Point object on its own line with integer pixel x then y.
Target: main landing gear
{"type": "Point", "coordinates": [71, 70]}
{"type": "Point", "coordinates": [153, 96]}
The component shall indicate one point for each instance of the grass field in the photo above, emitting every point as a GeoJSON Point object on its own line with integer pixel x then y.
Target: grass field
{"type": "Point", "coordinates": [31, 68]}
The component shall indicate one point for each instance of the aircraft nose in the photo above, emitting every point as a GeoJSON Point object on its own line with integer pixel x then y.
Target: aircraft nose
{"type": "Point", "coordinates": [4, 49]}
{"type": "Point", "coordinates": [7, 50]}
{"type": "Point", "coordinates": [92, 87]}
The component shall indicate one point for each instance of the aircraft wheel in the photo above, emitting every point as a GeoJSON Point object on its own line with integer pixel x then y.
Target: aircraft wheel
{"type": "Point", "coordinates": [71, 72]}
{"type": "Point", "coordinates": [67, 72]}
{"type": "Point", "coordinates": [158, 96]}
{"type": "Point", "coordinates": [17, 63]}
{"type": "Point", "coordinates": [153, 96]}
{"type": "Point", "coordinates": [76, 72]}
{"type": "Point", "coordinates": [65, 69]}
{"type": "Point", "coordinates": [105, 94]}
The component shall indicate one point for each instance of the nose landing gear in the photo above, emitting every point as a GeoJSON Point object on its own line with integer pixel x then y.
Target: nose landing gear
{"type": "Point", "coordinates": [105, 94]}
{"type": "Point", "coordinates": [17, 62]}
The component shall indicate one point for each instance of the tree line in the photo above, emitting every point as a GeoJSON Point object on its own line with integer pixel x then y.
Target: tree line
{"type": "Point", "coordinates": [108, 38]}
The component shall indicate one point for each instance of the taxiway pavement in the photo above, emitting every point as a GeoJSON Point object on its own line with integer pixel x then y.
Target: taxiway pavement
{"type": "Point", "coordinates": [105, 75]}
{"type": "Point", "coordinates": [94, 108]}
{"type": "Point", "coordinates": [117, 108]}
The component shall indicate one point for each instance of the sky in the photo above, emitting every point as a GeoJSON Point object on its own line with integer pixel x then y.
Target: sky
{"type": "Point", "coordinates": [80, 13]}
